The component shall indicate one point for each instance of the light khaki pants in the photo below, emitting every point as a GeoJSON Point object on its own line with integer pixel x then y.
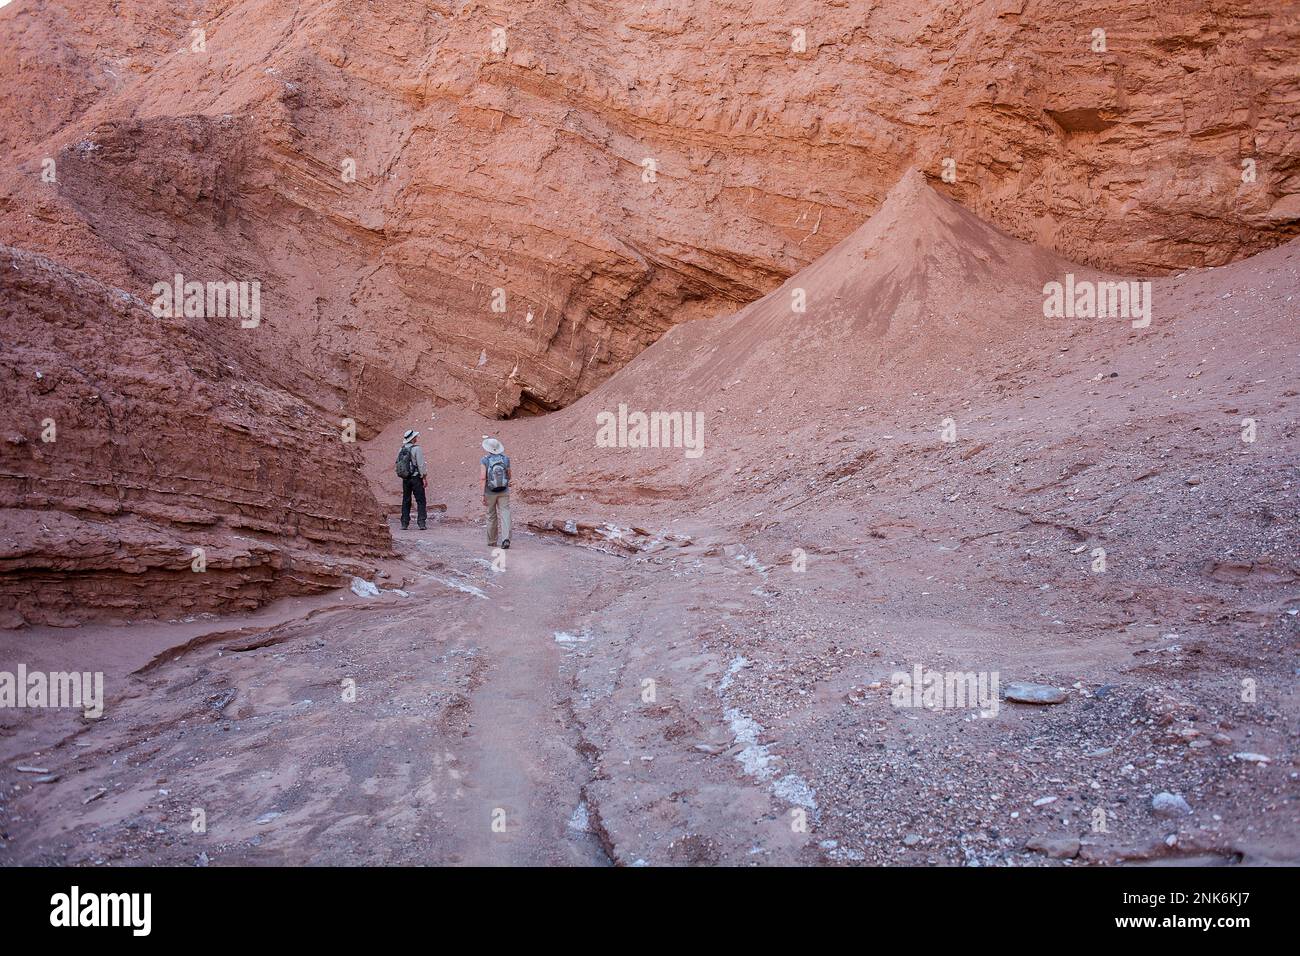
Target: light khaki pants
{"type": "Point", "coordinates": [498, 513]}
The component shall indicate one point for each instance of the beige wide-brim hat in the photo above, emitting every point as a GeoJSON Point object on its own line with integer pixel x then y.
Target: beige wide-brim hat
{"type": "Point", "coordinates": [492, 446]}
{"type": "Point", "coordinates": [411, 433]}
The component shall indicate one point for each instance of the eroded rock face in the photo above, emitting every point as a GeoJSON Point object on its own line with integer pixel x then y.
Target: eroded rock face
{"type": "Point", "coordinates": [498, 206]}
{"type": "Point", "coordinates": [130, 441]}
{"type": "Point", "coordinates": [60, 58]}
{"type": "Point", "coordinates": [392, 172]}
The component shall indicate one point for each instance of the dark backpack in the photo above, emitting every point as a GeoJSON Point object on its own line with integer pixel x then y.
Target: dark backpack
{"type": "Point", "coordinates": [496, 473]}
{"type": "Point", "coordinates": [405, 463]}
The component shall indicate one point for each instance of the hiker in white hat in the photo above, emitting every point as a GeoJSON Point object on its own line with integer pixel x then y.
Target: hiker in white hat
{"type": "Point", "coordinates": [494, 473]}
{"type": "Point", "coordinates": [415, 478]}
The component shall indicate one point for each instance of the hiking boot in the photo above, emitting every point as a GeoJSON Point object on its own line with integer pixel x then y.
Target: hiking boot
{"type": "Point", "coordinates": [421, 527]}
{"type": "Point", "coordinates": [506, 544]}
{"type": "Point", "coordinates": [404, 527]}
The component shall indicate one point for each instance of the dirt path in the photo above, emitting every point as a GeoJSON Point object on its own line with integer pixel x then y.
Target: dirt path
{"type": "Point", "coordinates": [399, 729]}
{"type": "Point", "coordinates": [455, 750]}
{"type": "Point", "coordinates": [522, 774]}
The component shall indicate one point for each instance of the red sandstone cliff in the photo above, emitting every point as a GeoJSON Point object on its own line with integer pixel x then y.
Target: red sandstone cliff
{"type": "Point", "coordinates": [603, 170]}
{"type": "Point", "coordinates": [525, 170]}
{"type": "Point", "coordinates": [130, 441]}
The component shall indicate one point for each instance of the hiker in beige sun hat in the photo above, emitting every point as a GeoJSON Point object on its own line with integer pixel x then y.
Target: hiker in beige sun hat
{"type": "Point", "coordinates": [494, 473]}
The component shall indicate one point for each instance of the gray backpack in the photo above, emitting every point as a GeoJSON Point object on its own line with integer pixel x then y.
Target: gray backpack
{"type": "Point", "coordinates": [496, 473]}
{"type": "Point", "coordinates": [405, 463]}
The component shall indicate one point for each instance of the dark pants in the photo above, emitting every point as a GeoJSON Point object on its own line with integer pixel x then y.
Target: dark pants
{"type": "Point", "coordinates": [412, 486]}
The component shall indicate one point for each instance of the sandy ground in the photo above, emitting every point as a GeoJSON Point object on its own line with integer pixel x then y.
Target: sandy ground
{"type": "Point", "coordinates": [457, 723]}
{"type": "Point", "coordinates": [520, 698]}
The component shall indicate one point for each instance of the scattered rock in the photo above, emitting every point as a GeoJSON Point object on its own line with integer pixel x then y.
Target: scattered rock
{"type": "Point", "coordinates": [364, 589]}
{"type": "Point", "coordinates": [580, 820]}
{"type": "Point", "coordinates": [1253, 757]}
{"type": "Point", "coordinates": [1169, 804]}
{"type": "Point", "coordinates": [1024, 693]}
{"type": "Point", "coordinates": [1057, 847]}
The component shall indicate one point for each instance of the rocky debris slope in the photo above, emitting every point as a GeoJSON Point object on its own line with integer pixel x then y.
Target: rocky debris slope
{"type": "Point", "coordinates": [392, 172]}
{"type": "Point", "coordinates": [132, 440]}
{"type": "Point", "coordinates": [1112, 513]}
{"type": "Point", "coordinates": [924, 379]}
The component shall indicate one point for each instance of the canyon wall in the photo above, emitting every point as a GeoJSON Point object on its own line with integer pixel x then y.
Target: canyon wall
{"type": "Point", "coordinates": [600, 171]}
{"type": "Point", "coordinates": [497, 205]}
{"type": "Point", "coordinates": [146, 470]}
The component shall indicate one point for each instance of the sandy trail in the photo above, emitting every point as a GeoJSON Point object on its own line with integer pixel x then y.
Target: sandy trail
{"type": "Point", "coordinates": [522, 774]}
{"type": "Point", "coordinates": [518, 697]}
{"type": "Point", "coordinates": [458, 723]}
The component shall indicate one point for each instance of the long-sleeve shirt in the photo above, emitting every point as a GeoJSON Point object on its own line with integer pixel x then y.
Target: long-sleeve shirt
{"type": "Point", "coordinates": [417, 456]}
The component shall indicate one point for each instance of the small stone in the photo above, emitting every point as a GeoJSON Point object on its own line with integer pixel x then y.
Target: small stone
{"type": "Point", "coordinates": [1169, 804]}
{"type": "Point", "coordinates": [1057, 847]}
{"type": "Point", "coordinates": [1253, 758]}
{"type": "Point", "coordinates": [364, 589]}
{"type": "Point", "coordinates": [1024, 693]}
{"type": "Point", "coordinates": [911, 839]}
